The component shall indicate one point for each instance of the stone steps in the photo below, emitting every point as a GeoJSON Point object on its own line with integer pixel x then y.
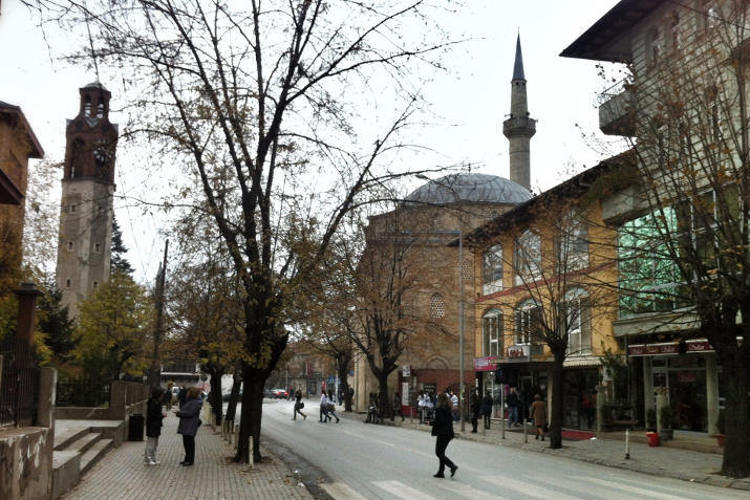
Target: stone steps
{"type": "Point", "coordinates": [93, 455]}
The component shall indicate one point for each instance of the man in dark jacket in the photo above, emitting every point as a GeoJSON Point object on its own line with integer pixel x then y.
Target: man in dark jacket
{"type": "Point", "coordinates": [442, 428]}
{"type": "Point", "coordinates": [154, 416]}
{"type": "Point", "coordinates": [513, 404]}
{"type": "Point", "coordinates": [475, 407]}
{"type": "Point", "coordinates": [486, 409]}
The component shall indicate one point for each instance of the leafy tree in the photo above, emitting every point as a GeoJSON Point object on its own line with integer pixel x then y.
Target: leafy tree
{"type": "Point", "coordinates": [118, 262]}
{"type": "Point", "coordinates": [112, 329]}
{"type": "Point", "coordinates": [55, 324]}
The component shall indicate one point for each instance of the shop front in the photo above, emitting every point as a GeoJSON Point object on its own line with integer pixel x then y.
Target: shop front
{"type": "Point", "coordinates": [687, 373]}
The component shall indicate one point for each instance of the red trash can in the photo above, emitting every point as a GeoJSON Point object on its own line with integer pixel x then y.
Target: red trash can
{"type": "Point", "coordinates": [653, 438]}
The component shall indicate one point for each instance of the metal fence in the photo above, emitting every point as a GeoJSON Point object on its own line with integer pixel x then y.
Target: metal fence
{"type": "Point", "coordinates": [19, 395]}
{"type": "Point", "coordinates": [82, 394]}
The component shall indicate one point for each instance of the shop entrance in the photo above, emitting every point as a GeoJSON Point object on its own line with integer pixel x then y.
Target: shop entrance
{"type": "Point", "coordinates": [684, 377]}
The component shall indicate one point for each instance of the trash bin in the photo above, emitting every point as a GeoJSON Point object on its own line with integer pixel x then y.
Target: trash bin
{"type": "Point", "coordinates": [135, 427]}
{"type": "Point", "coordinates": [653, 438]}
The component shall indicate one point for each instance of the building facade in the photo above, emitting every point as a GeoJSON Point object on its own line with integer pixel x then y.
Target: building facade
{"type": "Point", "coordinates": [428, 219]}
{"type": "Point", "coordinates": [88, 186]}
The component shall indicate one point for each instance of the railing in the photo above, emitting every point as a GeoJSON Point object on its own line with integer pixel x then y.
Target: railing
{"type": "Point", "coordinates": [80, 394]}
{"type": "Point", "coordinates": [19, 395]}
{"type": "Point", "coordinates": [614, 90]}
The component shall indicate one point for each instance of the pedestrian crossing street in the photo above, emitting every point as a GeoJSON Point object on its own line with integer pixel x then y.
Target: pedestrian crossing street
{"type": "Point", "coordinates": [506, 488]}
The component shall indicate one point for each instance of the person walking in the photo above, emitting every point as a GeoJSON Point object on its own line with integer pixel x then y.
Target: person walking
{"type": "Point", "coordinates": [332, 407]}
{"type": "Point", "coordinates": [442, 429]}
{"type": "Point", "coordinates": [454, 405]}
{"type": "Point", "coordinates": [538, 412]}
{"type": "Point", "coordinates": [475, 406]}
{"type": "Point", "coordinates": [513, 404]}
{"type": "Point", "coordinates": [324, 407]}
{"type": "Point", "coordinates": [168, 396]}
{"type": "Point", "coordinates": [397, 407]}
{"type": "Point", "coordinates": [486, 409]}
{"type": "Point", "coordinates": [298, 405]}
{"type": "Point", "coordinates": [189, 422]}
{"type": "Point", "coordinates": [154, 416]}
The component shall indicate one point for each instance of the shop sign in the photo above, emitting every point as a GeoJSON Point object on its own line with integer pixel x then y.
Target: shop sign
{"type": "Point", "coordinates": [671, 348]}
{"type": "Point", "coordinates": [517, 353]}
{"type": "Point", "coordinates": [406, 371]}
{"type": "Point", "coordinates": [485, 364]}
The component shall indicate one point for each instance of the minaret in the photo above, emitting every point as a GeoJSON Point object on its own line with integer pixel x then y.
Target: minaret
{"type": "Point", "coordinates": [519, 128]}
{"type": "Point", "coordinates": [84, 249]}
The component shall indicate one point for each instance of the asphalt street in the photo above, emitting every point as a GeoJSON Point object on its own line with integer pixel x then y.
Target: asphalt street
{"type": "Point", "coordinates": [364, 461]}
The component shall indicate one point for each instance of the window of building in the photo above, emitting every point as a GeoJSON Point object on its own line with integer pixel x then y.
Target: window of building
{"type": "Point", "coordinates": [577, 317]}
{"type": "Point", "coordinates": [97, 247]}
{"type": "Point", "coordinates": [653, 46]}
{"type": "Point", "coordinates": [73, 208]}
{"type": "Point", "coordinates": [96, 284]}
{"type": "Point", "coordinates": [492, 269]}
{"type": "Point", "coordinates": [437, 306]}
{"type": "Point", "coordinates": [528, 258]}
{"type": "Point", "coordinates": [67, 283]}
{"type": "Point", "coordinates": [100, 111]}
{"type": "Point", "coordinates": [70, 246]}
{"type": "Point", "coordinates": [87, 106]}
{"type": "Point", "coordinates": [573, 244]}
{"type": "Point", "coordinates": [528, 324]}
{"type": "Point", "coordinates": [648, 278]}
{"type": "Point", "coordinates": [675, 37]}
{"type": "Point", "coordinates": [492, 333]}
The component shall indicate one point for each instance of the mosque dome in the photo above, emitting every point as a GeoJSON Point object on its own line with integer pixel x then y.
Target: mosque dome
{"type": "Point", "coordinates": [473, 187]}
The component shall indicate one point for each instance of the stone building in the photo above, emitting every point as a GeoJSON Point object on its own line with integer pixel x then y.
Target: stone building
{"type": "Point", "coordinates": [88, 185]}
{"type": "Point", "coordinates": [429, 218]}
{"type": "Point", "coordinates": [17, 144]}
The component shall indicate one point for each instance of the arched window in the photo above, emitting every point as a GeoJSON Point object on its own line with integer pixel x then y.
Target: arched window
{"type": "Point", "coordinates": [492, 333]}
{"type": "Point", "coordinates": [492, 269]}
{"type": "Point", "coordinates": [528, 257]}
{"type": "Point", "coordinates": [573, 245]}
{"type": "Point", "coordinates": [528, 324]}
{"type": "Point", "coordinates": [100, 110]}
{"type": "Point", "coordinates": [437, 306]}
{"type": "Point", "coordinates": [577, 318]}
{"type": "Point", "coordinates": [653, 46]}
{"type": "Point", "coordinates": [87, 106]}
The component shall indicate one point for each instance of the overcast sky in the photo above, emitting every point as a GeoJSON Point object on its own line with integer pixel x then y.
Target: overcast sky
{"type": "Point", "coordinates": [470, 101]}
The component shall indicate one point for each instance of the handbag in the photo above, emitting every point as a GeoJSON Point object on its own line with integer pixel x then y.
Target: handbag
{"type": "Point", "coordinates": [545, 428]}
{"type": "Point", "coordinates": [301, 405]}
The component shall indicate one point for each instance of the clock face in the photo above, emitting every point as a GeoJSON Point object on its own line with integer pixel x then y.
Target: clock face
{"type": "Point", "coordinates": [102, 153]}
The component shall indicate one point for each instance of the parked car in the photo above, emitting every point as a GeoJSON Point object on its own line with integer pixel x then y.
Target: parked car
{"type": "Point", "coordinates": [280, 393]}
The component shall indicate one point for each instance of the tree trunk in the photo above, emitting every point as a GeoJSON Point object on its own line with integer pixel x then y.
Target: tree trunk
{"type": "Point", "coordinates": [215, 396]}
{"type": "Point", "coordinates": [736, 451]}
{"type": "Point", "coordinates": [234, 396]}
{"type": "Point", "coordinates": [556, 403]}
{"type": "Point", "coordinates": [383, 401]}
{"type": "Point", "coordinates": [252, 412]}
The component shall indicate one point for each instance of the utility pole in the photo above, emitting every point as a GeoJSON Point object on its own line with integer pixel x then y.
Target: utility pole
{"type": "Point", "coordinates": [155, 373]}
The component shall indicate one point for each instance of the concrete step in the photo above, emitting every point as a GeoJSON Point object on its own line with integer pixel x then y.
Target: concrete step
{"type": "Point", "coordinates": [95, 453]}
{"type": "Point", "coordinates": [65, 471]}
{"type": "Point", "coordinates": [69, 436]}
{"type": "Point", "coordinates": [83, 444]}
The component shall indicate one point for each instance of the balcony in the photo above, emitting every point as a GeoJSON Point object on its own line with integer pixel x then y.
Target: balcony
{"type": "Point", "coordinates": [617, 113]}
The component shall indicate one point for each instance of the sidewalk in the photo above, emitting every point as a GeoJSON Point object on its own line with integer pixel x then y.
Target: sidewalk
{"type": "Point", "coordinates": [660, 461]}
{"type": "Point", "coordinates": [123, 475]}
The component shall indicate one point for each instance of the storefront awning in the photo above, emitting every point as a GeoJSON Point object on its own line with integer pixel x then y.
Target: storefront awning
{"type": "Point", "coordinates": [663, 348]}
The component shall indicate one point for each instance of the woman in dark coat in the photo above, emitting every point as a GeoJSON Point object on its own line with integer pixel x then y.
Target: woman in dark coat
{"type": "Point", "coordinates": [486, 409]}
{"type": "Point", "coordinates": [189, 423]}
{"type": "Point", "coordinates": [442, 428]}
{"type": "Point", "coordinates": [475, 407]}
{"type": "Point", "coordinates": [154, 417]}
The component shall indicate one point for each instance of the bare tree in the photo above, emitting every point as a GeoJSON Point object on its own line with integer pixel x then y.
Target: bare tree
{"type": "Point", "coordinates": [260, 103]}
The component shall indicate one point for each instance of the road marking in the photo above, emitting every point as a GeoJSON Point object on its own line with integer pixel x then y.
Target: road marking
{"type": "Point", "coordinates": [529, 489]}
{"type": "Point", "coordinates": [467, 491]}
{"type": "Point", "coordinates": [400, 490]}
{"type": "Point", "coordinates": [612, 483]}
{"type": "Point", "coordinates": [341, 491]}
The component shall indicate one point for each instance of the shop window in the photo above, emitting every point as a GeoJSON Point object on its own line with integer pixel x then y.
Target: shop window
{"type": "Point", "coordinates": [492, 333]}
{"type": "Point", "coordinates": [492, 270]}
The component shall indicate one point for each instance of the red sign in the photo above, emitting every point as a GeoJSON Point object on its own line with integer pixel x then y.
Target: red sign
{"type": "Point", "coordinates": [671, 348]}
{"type": "Point", "coordinates": [486, 364]}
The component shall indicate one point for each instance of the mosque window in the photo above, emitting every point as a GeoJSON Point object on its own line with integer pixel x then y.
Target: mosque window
{"type": "Point", "coordinates": [437, 306]}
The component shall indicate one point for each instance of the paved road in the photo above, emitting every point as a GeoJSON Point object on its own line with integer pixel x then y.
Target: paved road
{"type": "Point", "coordinates": [381, 462]}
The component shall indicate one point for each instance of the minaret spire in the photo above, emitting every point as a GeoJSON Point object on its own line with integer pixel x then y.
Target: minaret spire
{"type": "Point", "coordinates": [519, 128]}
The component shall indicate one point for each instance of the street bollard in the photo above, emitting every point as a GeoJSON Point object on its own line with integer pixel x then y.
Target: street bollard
{"type": "Point", "coordinates": [627, 444]}
{"type": "Point", "coordinates": [250, 457]}
{"type": "Point", "coordinates": [525, 432]}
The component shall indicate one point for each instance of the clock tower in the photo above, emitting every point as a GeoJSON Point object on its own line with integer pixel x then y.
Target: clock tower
{"type": "Point", "coordinates": [84, 248]}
